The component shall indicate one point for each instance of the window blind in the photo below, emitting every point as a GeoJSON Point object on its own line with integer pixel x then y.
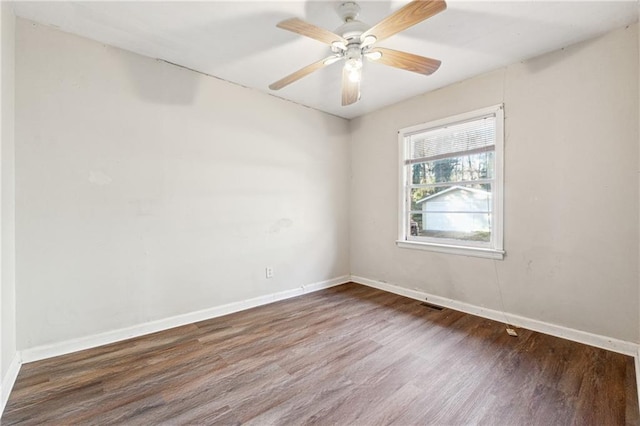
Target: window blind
{"type": "Point", "coordinates": [453, 140]}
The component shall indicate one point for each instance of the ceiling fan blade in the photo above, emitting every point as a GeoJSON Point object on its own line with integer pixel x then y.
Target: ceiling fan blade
{"type": "Point", "coordinates": [405, 17]}
{"type": "Point", "coordinates": [406, 61]}
{"type": "Point", "coordinates": [350, 89]}
{"type": "Point", "coordinates": [301, 27]}
{"type": "Point", "coordinates": [303, 72]}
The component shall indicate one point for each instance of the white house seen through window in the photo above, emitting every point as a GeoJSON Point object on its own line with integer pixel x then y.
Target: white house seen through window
{"type": "Point", "coordinates": [451, 184]}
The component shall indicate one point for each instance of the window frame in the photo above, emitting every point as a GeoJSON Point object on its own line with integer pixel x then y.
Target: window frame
{"type": "Point", "coordinates": [495, 248]}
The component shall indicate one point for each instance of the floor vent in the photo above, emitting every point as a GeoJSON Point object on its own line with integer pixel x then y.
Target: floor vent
{"type": "Point", "coordinates": [430, 306]}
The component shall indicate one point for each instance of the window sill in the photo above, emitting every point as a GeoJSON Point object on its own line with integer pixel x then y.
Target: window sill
{"type": "Point", "coordinates": [458, 250]}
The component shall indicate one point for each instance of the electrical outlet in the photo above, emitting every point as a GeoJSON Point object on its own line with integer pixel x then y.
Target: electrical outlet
{"type": "Point", "coordinates": [268, 272]}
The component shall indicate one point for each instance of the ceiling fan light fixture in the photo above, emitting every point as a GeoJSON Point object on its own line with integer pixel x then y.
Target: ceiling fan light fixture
{"type": "Point", "coordinates": [373, 56]}
{"type": "Point", "coordinates": [339, 45]}
{"type": "Point", "coordinates": [332, 59]}
{"type": "Point", "coordinates": [353, 67]}
{"type": "Point", "coordinates": [368, 40]}
{"type": "Point", "coordinates": [355, 76]}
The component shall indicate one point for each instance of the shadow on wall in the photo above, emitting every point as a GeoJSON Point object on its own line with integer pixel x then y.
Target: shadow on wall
{"type": "Point", "coordinates": [162, 87]}
{"type": "Point", "coordinates": [210, 42]}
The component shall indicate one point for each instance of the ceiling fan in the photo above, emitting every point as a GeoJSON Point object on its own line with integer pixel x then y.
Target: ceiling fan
{"type": "Point", "coordinates": [355, 40]}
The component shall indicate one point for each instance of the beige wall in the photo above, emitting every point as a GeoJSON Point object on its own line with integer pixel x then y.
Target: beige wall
{"type": "Point", "coordinates": [571, 190]}
{"type": "Point", "coordinates": [7, 201]}
{"type": "Point", "coordinates": [147, 191]}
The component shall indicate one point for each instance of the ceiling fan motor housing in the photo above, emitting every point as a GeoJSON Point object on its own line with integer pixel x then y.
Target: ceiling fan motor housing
{"type": "Point", "coordinates": [352, 28]}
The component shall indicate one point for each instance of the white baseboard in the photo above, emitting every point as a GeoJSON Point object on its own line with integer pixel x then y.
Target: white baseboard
{"type": "Point", "coordinates": [609, 343]}
{"type": "Point", "coordinates": [88, 342]}
{"type": "Point", "coordinates": [8, 381]}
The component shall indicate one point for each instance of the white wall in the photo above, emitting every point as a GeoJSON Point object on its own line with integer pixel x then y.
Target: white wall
{"type": "Point", "coordinates": [571, 190]}
{"type": "Point", "coordinates": [8, 355]}
{"type": "Point", "coordinates": [145, 190]}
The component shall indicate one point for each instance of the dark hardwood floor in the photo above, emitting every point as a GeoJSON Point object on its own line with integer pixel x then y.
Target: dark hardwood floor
{"type": "Point", "coordinates": [350, 355]}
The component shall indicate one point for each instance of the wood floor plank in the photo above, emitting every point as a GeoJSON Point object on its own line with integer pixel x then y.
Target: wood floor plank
{"type": "Point", "coordinates": [349, 355]}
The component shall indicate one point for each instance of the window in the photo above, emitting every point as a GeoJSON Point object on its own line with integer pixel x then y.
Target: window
{"type": "Point", "coordinates": [451, 184]}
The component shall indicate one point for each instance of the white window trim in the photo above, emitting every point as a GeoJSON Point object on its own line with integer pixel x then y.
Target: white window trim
{"type": "Point", "coordinates": [497, 249]}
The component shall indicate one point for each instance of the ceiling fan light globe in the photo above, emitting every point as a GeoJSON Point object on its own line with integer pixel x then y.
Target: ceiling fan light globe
{"type": "Point", "coordinates": [353, 67]}
{"type": "Point", "coordinates": [355, 76]}
{"type": "Point", "coordinates": [368, 40]}
{"type": "Point", "coordinates": [332, 59]}
{"type": "Point", "coordinates": [338, 45]}
{"type": "Point", "coordinates": [373, 56]}
{"type": "Point", "coordinates": [353, 64]}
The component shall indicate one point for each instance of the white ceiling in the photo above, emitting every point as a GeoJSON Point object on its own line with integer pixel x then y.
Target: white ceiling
{"type": "Point", "coordinates": [238, 40]}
